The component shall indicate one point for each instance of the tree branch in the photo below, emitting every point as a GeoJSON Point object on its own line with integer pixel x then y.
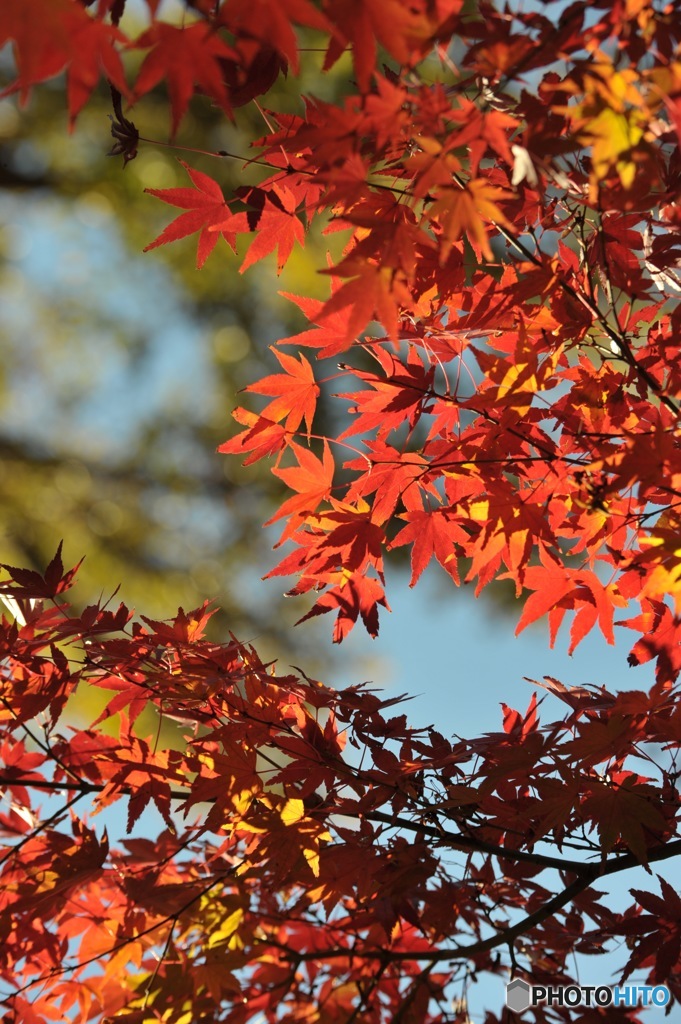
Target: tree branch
{"type": "Point", "coordinates": [589, 874]}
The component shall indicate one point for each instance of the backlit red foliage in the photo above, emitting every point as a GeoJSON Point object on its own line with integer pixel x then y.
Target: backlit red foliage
{"type": "Point", "coordinates": [502, 337]}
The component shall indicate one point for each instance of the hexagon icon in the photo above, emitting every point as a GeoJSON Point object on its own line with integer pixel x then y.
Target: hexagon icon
{"type": "Point", "coordinates": [518, 995]}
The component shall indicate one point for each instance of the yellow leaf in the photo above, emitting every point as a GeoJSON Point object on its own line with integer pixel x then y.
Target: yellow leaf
{"type": "Point", "coordinates": [479, 510]}
{"type": "Point", "coordinates": [225, 933]}
{"type": "Point", "coordinates": [613, 136]}
{"type": "Point", "coordinates": [292, 811]}
{"type": "Point", "coordinates": [661, 552]}
{"type": "Point", "coordinates": [612, 118]}
{"type": "Point", "coordinates": [311, 855]}
{"type": "Point", "coordinates": [518, 387]}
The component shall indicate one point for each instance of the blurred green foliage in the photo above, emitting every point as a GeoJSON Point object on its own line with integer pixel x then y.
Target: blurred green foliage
{"type": "Point", "coordinates": [119, 370]}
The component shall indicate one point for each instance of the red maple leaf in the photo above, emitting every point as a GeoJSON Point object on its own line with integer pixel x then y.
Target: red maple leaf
{"type": "Point", "coordinates": [400, 396]}
{"type": "Point", "coordinates": [432, 534]}
{"type": "Point", "coordinates": [403, 29]}
{"type": "Point", "coordinates": [375, 291]}
{"type": "Point", "coordinates": [661, 638]}
{"type": "Point", "coordinates": [262, 437]}
{"type": "Point", "coordinates": [330, 333]}
{"type": "Point", "coordinates": [558, 588]}
{"type": "Point", "coordinates": [311, 478]}
{"type": "Point", "coordinates": [273, 216]}
{"type": "Point", "coordinates": [395, 477]}
{"type": "Point", "coordinates": [30, 584]}
{"type": "Point", "coordinates": [295, 392]}
{"type": "Point", "coordinates": [183, 57]}
{"type": "Point", "coordinates": [623, 808]}
{"type": "Point", "coordinates": [355, 539]}
{"type": "Point", "coordinates": [254, 73]}
{"type": "Point", "coordinates": [271, 23]}
{"type": "Point", "coordinates": [206, 207]}
{"type": "Point", "coordinates": [662, 944]}
{"type": "Point", "coordinates": [358, 596]}
{"type": "Point", "coordinates": [50, 37]}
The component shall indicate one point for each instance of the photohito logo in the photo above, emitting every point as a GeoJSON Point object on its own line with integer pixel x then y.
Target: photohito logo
{"type": "Point", "coordinates": [520, 996]}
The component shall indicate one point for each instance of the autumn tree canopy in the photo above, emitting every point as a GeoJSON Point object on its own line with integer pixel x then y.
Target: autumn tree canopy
{"type": "Point", "coordinates": [499, 350]}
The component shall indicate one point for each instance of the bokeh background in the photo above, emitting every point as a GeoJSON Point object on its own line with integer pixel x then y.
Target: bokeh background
{"type": "Point", "coordinates": [119, 369]}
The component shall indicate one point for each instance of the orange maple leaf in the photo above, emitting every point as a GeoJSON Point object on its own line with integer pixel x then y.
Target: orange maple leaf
{"type": "Point", "coordinates": [294, 392]}
{"type": "Point", "coordinates": [558, 588]}
{"type": "Point", "coordinates": [262, 437]}
{"type": "Point", "coordinates": [375, 291]}
{"type": "Point", "coordinates": [311, 478]}
{"type": "Point", "coordinates": [330, 333]}
{"type": "Point", "coordinates": [464, 211]}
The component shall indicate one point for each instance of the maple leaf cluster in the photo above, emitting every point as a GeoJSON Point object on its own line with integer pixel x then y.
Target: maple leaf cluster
{"type": "Point", "coordinates": [505, 314]}
{"type": "Point", "coordinates": [319, 858]}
